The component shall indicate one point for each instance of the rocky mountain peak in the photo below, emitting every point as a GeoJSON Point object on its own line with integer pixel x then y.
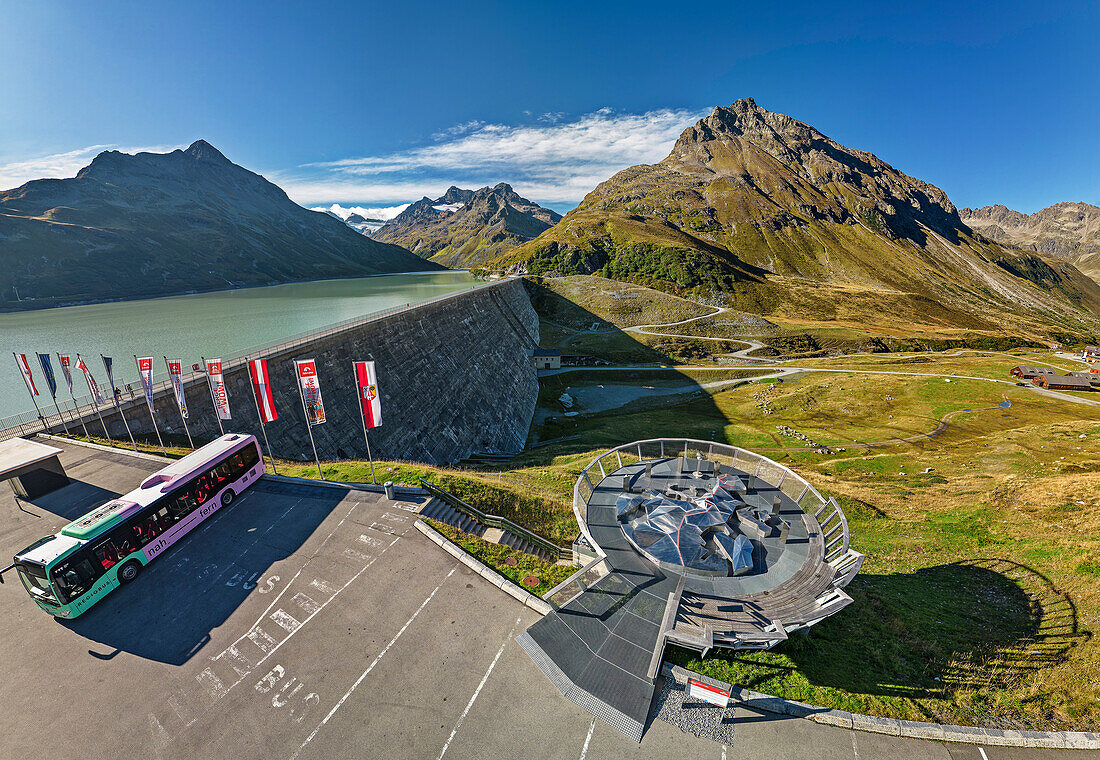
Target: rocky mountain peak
{"type": "Point", "coordinates": [201, 150]}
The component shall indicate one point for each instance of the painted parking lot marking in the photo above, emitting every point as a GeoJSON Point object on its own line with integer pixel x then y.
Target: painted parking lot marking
{"type": "Point", "coordinates": [285, 621]}
{"type": "Point", "coordinates": [239, 662]}
{"type": "Point", "coordinates": [359, 680]}
{"type": "Point", "coordinates": [588, 739]}
{"type": "Point", "coordinates": [371, 541]}
{"type": "Point", "coordinates": [305, 602]}
{"type": "Point", "coordinates": [477, 691]}
{"type": "Point", "coordinates": [356, 555]}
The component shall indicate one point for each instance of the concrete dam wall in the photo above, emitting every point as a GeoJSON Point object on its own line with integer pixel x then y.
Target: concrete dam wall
{"type": "Point", "coordinates": [454, 377]}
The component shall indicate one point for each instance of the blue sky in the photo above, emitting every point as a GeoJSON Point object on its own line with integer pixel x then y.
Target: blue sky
{"type": "Point", "coordinates": [377, 104]}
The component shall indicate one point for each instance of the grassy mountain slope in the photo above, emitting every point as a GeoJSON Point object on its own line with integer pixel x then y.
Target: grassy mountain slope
{"type": "Point", "coordinates": [787, 222]}
{"type": "Point", "coordinates": [155, 224]}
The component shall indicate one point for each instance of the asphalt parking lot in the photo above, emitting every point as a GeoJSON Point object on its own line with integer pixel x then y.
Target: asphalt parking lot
{"type": "Point", "coordinates": [314, 622]}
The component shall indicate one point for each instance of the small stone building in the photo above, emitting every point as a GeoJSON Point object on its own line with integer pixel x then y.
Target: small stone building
{"type": "Point", "coordinates": [546, 358]}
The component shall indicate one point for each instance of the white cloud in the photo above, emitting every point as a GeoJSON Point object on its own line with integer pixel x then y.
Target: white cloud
{"type": "Point", "coordinates": [552, 161]}
{"type": "Point", "coordinates": [61, 165]}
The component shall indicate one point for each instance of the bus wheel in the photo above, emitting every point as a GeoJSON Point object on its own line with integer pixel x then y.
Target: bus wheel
{"type": "Point", "coordinates": [129, 571]}
{"type": "Point", "coordinates": [227, 497]}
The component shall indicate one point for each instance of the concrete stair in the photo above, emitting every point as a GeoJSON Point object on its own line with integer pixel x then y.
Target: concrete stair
{"type": "Point", "coordinates": [437, 509]}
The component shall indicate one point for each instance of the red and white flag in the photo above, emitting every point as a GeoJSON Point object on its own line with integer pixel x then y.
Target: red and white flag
{"type": "Point", "coordinates": [311, 391]}
{"type": "Point", "coordinates": [369, 400]}
{"type": "Point", "coordinates": [175, 373]}
{"type": "Point", "coordinates": [145, 371]}
{"type": "Point", "coordinates": [261, 386]}
{"type": "Point", "coordinates": [93, 386]}
{"type": "Point", "coordinates": [217, 387]}
{"type": "Point", "coordinates": [25, 369]}
{"type": "Point", "coordinates": [66, 361]}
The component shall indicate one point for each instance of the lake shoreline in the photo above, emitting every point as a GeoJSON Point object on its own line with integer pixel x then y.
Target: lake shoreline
{"type": "Point", "coordinates": [96, 301]}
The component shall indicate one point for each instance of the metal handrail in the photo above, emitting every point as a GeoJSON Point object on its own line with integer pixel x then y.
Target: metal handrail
{"type": "Point", "coordinates": [26, 423]}
{"type": "Point", "coordinates": [496, 521]}
{"type": "Point", "coordinates": [808, 498]}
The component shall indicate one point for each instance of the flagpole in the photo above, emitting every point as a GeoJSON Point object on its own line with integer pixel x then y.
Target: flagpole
{"type": "Point", "coordinates": [95, 403]}
{"type": "Point", "coordinates": [118, 404]}
{"type": "Point", "coordinates": [68, 379]}
{"type": "Point", "coordinates": [214, 401]}
{"type": "Point", "coordinates": [183, 390]}
{"type": "Point", "coordinates": [260, 417]}
{"type": "Point", "coordinates": [363, 417]}
{"type": "Point", "coordinates": [309, 427]}
{"type": "Point", "coordinates": [149, 398]}
{"type": "Point", "coordinates": [51, 381]}
{"type": "Point", "coordinates": [45, 422]}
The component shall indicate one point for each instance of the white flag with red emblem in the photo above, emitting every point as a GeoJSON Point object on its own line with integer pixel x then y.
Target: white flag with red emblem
{"type": "Point", "coordinates": [369, 400]}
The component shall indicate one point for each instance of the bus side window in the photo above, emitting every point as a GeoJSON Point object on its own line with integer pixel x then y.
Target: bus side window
{"type": "Point", "coordinates": [106, 554]}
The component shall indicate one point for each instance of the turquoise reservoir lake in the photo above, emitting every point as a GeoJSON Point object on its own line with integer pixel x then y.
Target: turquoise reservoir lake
{"type": "Point", "coordinates": [192, 326]}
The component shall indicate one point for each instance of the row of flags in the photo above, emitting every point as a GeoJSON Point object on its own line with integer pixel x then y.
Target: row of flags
{"type": "Point", "coordinates": [309, 389]}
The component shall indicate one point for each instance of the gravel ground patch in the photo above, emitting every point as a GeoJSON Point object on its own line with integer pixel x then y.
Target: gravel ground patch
{"type": "Point", "coordinates": [691, 715]}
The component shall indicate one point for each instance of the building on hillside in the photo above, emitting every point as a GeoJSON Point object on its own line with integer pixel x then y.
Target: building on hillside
{"type": "Point", "coordinates": [1065, 383]}
{"type": "Point", "coordinates": [1093, 376]}
{"type": "Point", "coordinates": [546, 358]}
{"type": "Point", "coordinates": [1030, 373]}
{"type": "Point", "coordinates": [1090, 353]}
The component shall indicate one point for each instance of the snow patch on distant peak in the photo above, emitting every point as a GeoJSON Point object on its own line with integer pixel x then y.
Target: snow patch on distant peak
{"type": "Point", "coordinates": [449, 207]}
{"type": "Point", "coordinates": [382, 215]}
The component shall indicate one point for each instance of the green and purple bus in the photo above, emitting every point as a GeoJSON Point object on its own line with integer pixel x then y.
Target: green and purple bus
{"type": "Point", "coordinates": [67, 573]}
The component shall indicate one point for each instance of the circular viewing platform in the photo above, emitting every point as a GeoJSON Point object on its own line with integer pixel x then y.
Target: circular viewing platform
{"type": "Point", "coordinates": [757, 551]}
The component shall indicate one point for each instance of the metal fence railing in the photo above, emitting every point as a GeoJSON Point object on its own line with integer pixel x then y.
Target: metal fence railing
{"type": "Point", "coordinates": [83, 406]}
{"type": "Point", "coordinates": [828, 513]}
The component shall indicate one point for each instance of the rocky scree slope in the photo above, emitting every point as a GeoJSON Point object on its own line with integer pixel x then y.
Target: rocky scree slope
{"type": "Point", "coordinates": [1070, 231]}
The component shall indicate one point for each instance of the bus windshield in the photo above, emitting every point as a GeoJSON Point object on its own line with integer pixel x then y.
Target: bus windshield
{"type": "Point", "coordinates": [34, 578]}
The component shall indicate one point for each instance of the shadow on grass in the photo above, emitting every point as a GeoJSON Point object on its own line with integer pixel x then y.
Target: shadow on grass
{"type": "Point", "coordinates": [979, 624]}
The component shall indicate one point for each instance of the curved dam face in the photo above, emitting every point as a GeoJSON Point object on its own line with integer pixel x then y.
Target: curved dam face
{"type": "Point", "coordinates": [454, 376]}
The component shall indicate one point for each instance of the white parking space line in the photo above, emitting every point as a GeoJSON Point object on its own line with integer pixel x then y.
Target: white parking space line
{"type": "Point", "coordinates": [273, 649]}
{"type": "Point", "coordinates": [480, 686]}
{"type": "Point", "coordinates": [587, 739]}
{"type": "Point", "coordinates": [982, 750]}
{"type": "Point", "coordinates": [354, 686]}
{"type": "Point", "coordinates": [855, 751]}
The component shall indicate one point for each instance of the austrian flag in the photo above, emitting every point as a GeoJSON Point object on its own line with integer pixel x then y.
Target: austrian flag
{"type": "Point", "coordinates": [261, 386]}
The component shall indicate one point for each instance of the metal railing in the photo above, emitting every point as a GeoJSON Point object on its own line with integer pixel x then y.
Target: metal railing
{"type": "Point", "coordinates": [496, 521]}
{"type": "Point", "coordinates": [758, 468]}
{"type": "Point", "coordinates": [83, 406]}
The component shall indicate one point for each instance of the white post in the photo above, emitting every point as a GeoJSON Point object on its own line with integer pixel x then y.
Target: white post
{"type": "Point", "coordinates": [363, 417]}
{"type": "Point", "coordinates": [260, 417]}
{"type": "Point", "coordinates": [214, 401]}
{"type": "Point", "coordinates": [149, 399]}
{"type": "Point", "coordinates": [182, 390]}
{"type": "Point", "coordinates": [309, 427]}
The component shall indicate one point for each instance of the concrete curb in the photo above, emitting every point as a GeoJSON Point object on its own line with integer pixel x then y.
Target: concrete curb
{"type": "Point", "coordinates": [403, 490]}
{"type": "Point", "coordinates": [101, 447]}
{"type": "Point", "coordinates": [892, 726]}
{"type": "Point", "coordinates": [525, 598]}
